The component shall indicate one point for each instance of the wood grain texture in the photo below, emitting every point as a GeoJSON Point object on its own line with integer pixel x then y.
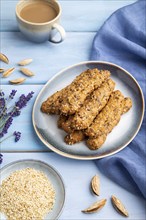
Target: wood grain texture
{"type": "Point", "coordinates": [76, 15]}
{"type": "Point", "coordinates": [48, 58]}
{"type": "Point", "coordinates": [81, 19]}
{"type": "Point", "coordinates": [77, 176]}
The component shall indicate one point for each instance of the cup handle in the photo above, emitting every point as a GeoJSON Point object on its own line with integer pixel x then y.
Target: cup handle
{"type": "Point", "coordinates": [61, 30]}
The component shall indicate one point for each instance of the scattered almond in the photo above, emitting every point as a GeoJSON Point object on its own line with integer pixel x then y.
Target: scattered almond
{"type": "Point", "coordinates": [2, 70]}
{"type": "Point", "coordinates": [4, 58]}
{"type": "Point", "coordinates": [95, 185]}
{"type": "Point", "coordinates": [119, 206]}
{"type": "Point", "coordinates": [17, 81]}
{"type": "Point", "coordinates": [27, 72]}
{"type": "Point", "coordinates": [95, 206]}
{"type": "Point", "coordinates": [8, 72]}
{"type": "Point", "coordinates": [25, 62]}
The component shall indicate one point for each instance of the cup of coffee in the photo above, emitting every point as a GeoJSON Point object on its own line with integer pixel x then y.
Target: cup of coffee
{"type": "Point", "coordinates": [38, 18]}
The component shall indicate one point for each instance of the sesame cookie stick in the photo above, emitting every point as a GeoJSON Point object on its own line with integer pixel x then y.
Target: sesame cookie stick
{"type": "Point", "coordinates": [96, 143]}
{"type": "Point", "coordinates": [92, 106]}
{"type": "Point", "coordinates": [62, 119]}
{"type": "Point", "coordinates": [110, 115]}
{"type": "Point", "coordinates": [74, 137]}
{"type": "Point", "coordinates": [80, 88]}
{"type": "Point", "coordinates": [52, 104]}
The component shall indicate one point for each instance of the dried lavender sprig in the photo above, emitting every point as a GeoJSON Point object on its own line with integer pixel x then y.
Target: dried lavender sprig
{"type": "Point", "coordinates": [23, 100]}
{"type": "Point", "coordinates": [7, 118]}
{"type": "Point", "coordinates": [12, 94]}
{"type": "Point", "coordinates": [2, 93]}
{"type": "Point", "coordinates": [21, 103]}
{"type": "Point", "coordinates": [3, 113]}
{"type": "Point", "coordinates": [6, 127]}
{"type": "Point", "coordinates": [16, 134]}
{"type": "Point", "coordinates": [13, 113]}
{"type": "Point", "coordinates": [1, 158]}
{"type": "Point", "coordinates": [16, 112]}
{"type": "Point", "coordinates": [4, 101]}
{"type": "Point", "coordinates": [29, 96]}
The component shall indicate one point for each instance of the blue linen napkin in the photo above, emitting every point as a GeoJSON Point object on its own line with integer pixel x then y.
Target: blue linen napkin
{"type": "Point", "coordinates": [122, 40]}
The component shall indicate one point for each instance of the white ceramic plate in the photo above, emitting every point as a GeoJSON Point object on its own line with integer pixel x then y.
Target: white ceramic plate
{"type": "Point", "coordinates": [129, 125]}
{"type": "Point", "coordinates": [51, 173]}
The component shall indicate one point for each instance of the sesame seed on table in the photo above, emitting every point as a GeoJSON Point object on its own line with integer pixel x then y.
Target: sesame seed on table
{"type": "Point", "coordinates": [81, 20]}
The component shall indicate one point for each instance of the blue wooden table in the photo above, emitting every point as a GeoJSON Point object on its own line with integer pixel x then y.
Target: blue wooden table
{"type": "Point", "coordinates": [81, 20]}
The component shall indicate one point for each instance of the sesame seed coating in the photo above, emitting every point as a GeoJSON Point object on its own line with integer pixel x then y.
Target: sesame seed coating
{"type": "Point", "coordinates": [88, 107]}
{"type": "Point", "coordinates": [62, 119]}
{"type": "Point", "coordinates": [92, 106]}
{"type": "Point", "coordinates": [80, 88]}
{"type": "Point", "coordinates": [74, 137]}
{"type": "Point", "coordinates": [108, 117]}
{"type": "Point", "coordinates": [97, 142]}
{"type": "Point", "coordinates": [52, 104]}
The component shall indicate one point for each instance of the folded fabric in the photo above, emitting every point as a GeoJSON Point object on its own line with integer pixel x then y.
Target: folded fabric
{"type": "Point", "coordinates": [122, 40]}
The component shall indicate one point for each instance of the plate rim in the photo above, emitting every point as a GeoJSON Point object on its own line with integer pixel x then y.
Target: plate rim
{"type": "Point", "coordinates": [93, 157]}
{"type": "Point", "coordinates": [48, 165]}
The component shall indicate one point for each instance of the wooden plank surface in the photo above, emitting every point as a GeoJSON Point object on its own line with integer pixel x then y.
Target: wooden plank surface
{"type": "Point", "coordinates": [76, 15]}
{"type": "Point", "coordinates": [77, 176]}
{"type": "Point", "coordinates": [48, 58]}
{"type": "Point", "coordinates": [81, 20]}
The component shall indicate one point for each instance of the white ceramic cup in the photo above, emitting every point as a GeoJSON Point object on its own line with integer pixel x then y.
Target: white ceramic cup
{"type": "Point", "coordinates": [40, 32]}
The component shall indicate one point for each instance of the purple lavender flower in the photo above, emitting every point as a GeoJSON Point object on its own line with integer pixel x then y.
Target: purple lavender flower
{"type": "Point", "coordinates": [21, 102]}
{"type": "Point", "coordinates": [6, 127]}
{"type": "Point", "coordinates": [29, 96]}
{"type": "Point", "coordinates": [17, 136]}
{"type": "Point", "coordinates": [1, 158]}
{"type": "Point", "coordinates": [2, 103]}
{"type": "Point", "coordinates": [12, 94]}
{"type": "Point", "coordinates": [6, 115]}
{"type": "Point", "coordinates": [16, 112]}
{"type": "Point", "coordinates": [2, 93]}
{"type": "Point", "coordinates": [3, 107]}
